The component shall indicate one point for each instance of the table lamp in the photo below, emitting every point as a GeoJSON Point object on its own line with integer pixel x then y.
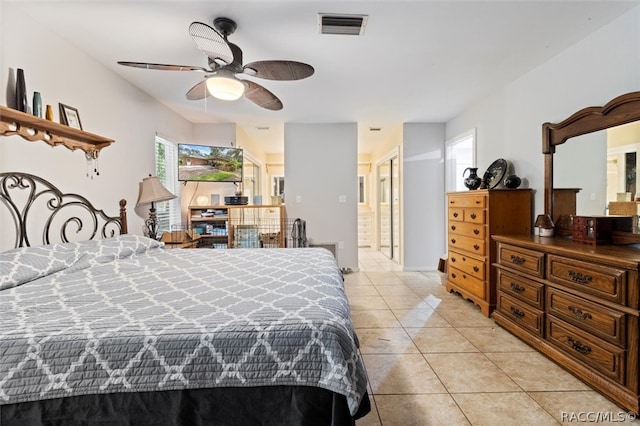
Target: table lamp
{"type": "Point", "coordinates": [151, 191]}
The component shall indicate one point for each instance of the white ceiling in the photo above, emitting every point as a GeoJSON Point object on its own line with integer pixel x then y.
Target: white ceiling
{"type": "Point", "coordinates": [418, 61]}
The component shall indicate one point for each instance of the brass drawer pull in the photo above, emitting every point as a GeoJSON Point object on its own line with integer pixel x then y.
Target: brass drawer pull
{"type": "Point", "coordinates": [476, 231]}
{"type": "Point", "coordinates": [455, 214]}
{"type": "Point", "coordinates": [476, 269]}
{"type": "Point", "coordinates": [453, 227]}
{"type": "Point", "coordinates": [453, 260]}
{"type": "Point", "coordinates": [516, 312]}
{"type": "Point", "coordinates": [453, 275]}
{"type": "Point", "coordinates": [579, 278]}
{"type": "Point", "coordinates": [579, 347]}
{"type": "Point", "coordinates": [579, 314]}
{"type": "Point", "coordinates": [473, 216]}
{"type": "Point", "coordinates": [517, 259]}
{"type": "Point", "coordinates": [453, 241]}
{"type": "Point", "coordinates": [476, 247]}
{"type": "Point", "coordinates": [478, 201]}
{"type": "Point", "coordinates": [517, 288]}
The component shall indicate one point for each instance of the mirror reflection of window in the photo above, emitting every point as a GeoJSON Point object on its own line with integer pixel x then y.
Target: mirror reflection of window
{"type": "Point", "coordinates": [361, 190]}
{"type": "Point", "coordinates": [630, 173]}
{"type": "Point", "coordinates": [277, 186]}
{"type": "Point", "coordinates": [383, 190]}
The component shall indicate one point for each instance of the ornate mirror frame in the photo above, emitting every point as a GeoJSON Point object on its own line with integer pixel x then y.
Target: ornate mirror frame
{"type": "Point", "coordinates": [621, 110]}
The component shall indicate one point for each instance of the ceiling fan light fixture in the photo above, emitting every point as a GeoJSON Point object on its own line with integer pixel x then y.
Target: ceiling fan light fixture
{"type": "Point", "coordinates": [225, 87]}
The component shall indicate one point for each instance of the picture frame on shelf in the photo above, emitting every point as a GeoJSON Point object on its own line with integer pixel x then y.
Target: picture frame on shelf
{"type": "Point", "coordinates": [69, 116]}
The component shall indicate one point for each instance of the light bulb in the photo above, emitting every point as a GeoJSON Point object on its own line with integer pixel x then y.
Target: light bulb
{"type": "Point", "coordinates": [224, 86]}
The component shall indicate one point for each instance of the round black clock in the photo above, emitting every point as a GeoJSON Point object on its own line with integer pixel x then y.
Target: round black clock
{"type": "Point", "coordinates": [495, 173]}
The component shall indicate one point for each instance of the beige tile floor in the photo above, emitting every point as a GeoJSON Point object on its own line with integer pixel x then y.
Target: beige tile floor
{"type": "Point", "coordinates": [434, 359]}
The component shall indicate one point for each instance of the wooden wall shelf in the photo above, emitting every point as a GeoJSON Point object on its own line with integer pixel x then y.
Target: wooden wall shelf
{"type": "Point", "coordinates": [32, 128]}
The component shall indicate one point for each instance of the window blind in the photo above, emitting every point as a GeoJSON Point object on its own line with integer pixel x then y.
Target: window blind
{"type": "Point", "coordinates": [168, 212]}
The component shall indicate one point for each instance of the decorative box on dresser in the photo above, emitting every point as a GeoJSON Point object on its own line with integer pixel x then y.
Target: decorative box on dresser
{"type": "Point", "coordinates": [577, 304]}
{"type": "Point", "coordinates": [473, 216]}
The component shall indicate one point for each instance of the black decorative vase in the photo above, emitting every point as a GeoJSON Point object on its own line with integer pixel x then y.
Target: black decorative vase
{"type": "Point", "coordinates": [472, 181]}
{"type": "Point", "coordinates": [512, 181]}
{"type": "Point", "coordinates": [21, 91]}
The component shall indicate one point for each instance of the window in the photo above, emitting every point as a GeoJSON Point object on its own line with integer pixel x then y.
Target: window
{"type": "Point", "coordinates": [460, 154]}
{"type": "Point", "coordinates": [168, 212]}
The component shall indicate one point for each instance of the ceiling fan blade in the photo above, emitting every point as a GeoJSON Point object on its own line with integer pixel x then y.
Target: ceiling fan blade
{"type": "Point", "coordinates": [261, 96]}
{"type": "Point", "coordinates": [279, 70]}
{"type": "Point", "coordinates": [199, 91]}
{"type": "Point", "coordinates": [210, 42]}
{"type": "Point", "coordinates": [163, 67]}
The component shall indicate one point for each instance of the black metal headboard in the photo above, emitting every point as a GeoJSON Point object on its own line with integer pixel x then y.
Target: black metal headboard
{"type": "Point", "coordinates": [40, 210]}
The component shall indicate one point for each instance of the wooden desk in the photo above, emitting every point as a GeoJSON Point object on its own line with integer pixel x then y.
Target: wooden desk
{"type": "Point", "coordinates": [186, 244]}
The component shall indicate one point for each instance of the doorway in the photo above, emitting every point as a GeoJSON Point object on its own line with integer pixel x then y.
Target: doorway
{"type": "Point", "coordinates": [389, 207]}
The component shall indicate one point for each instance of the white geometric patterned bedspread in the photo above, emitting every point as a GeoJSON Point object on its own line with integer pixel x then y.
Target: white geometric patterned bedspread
{"type": "Point", "coordinates": [124, 315]}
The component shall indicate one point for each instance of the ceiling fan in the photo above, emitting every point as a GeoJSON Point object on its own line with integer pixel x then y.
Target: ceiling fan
{"type": "Point", "coordinates": [225, 63]}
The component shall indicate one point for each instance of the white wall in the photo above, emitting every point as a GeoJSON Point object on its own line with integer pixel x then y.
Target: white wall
{"type": "Point", "coordinates": [108, 106]}
{"type": "Point", "coordinates": [596, 69]}
{"type": "Point", "coordinates": [320, 165]}
{"type": "Point", "coordinates": [422, 200]}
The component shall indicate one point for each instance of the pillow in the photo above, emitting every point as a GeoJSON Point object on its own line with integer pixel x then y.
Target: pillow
{"type": "Point", "coordinates": [21, 265]}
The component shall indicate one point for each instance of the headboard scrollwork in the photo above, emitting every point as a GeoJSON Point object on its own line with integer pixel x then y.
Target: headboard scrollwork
{"type": "Point", "coordinates": [39, 210]}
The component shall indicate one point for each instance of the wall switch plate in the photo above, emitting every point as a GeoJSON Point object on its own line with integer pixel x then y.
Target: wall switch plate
{"type": "Point", "coordinates": [342, 198]}
{"type": "Point", "coordinates": [340, 244]}
{"type": "Point", "coordinates": [298, 198]}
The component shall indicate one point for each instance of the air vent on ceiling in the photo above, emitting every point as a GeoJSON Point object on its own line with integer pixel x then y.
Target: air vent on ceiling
{"type": "Point", "coordinates": [341, 24]}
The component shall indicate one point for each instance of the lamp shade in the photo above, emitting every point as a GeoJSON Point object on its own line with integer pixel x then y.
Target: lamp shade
{"type": "Point", "coordinates": [225, 86]}
{"type": "Point", "coordinates": [152, 190]}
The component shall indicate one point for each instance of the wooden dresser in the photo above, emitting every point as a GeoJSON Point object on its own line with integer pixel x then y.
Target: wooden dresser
{"type": "Point", "coordinates": [473, 216]}
{"type": "Point", "coordinates": [578, 305]}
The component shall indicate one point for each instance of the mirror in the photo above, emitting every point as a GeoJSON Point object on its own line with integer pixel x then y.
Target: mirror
{"type": "Point", "coordinates": [602, 165]}
{"type": "Point", "coordinates": [587, 130]}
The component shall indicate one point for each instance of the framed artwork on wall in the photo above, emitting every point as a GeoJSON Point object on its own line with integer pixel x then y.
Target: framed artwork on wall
{"type": "Point", "coordinates": [70, 116]}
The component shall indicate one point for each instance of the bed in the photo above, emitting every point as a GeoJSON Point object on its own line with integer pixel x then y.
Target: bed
{"type": "Point", "coordinates": [119, 330]}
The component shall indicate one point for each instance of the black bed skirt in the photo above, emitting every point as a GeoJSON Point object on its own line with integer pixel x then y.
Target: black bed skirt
{"type": "Point", "coordinates": [268, 405]}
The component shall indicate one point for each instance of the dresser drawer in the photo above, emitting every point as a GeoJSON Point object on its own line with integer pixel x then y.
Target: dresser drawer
{"type": "Point", "coordinates": [521, 259]}
{"type": "Point", "coordinates": [467, 282]}
{"type": "Point", "coordinates": [522, 314]}
{"type": "Point", "coordinates": [471, 266]}
{"type": "Point", "coordinates": [606, 323]}
{"type": "Point", "coordinates": [468, 244]}
{"type": "Point", "coordinates": [475, 216]}
{"type": "Point", "coordinates": [602, 281]}
{"type": "Point", "coordinates": [468, 201]}
{"type": "Point", "coordinates": [521, 288]}
{"type": "Point", "coordinates": [467, 215]}
{"type": "Point", "coordinates": [470, 229]}
{"type": "Point", "coordinates": [603, 357]}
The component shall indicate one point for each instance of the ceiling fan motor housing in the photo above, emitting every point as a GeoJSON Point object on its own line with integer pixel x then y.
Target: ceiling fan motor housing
{"type": "Point", "coordinates": [225, 26]}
